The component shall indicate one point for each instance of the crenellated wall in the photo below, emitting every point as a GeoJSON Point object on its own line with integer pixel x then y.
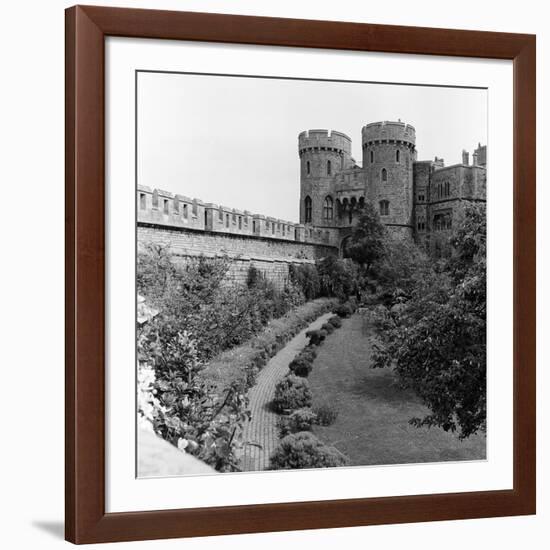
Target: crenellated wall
{"type": "Point", "coordinates": [192, 228]}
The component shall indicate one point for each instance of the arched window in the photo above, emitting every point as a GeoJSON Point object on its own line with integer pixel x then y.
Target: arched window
{"type": "Point", "coordinates": [142, 201]}
{"type": "Point", "coordinates": [329, 168]}
{"type": "Point", "coordinates": [307, 204]}
{"type": "Point", "coordinates": [384, 175]}
{"type": "Point", "coordinates": [384, 208]}
{"type": "Point", "coordinates": [328, 209]}
{"type": "Point", "coordinates": [206, 218]}
{"type": "Point", "coordinates": [371, 157]}
{"type": "Point", "coordinates": [308, 168]}
{"type": "Point", "coordinates": [397, 155]}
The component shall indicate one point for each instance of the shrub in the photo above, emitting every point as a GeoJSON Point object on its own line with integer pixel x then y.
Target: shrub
{"type": "Point", "coordinates": [304, 450]}
{"type": "Point", "coordinates": [325, 414]}
{"type": "Point", "coordinates": [335, 321]}
{"type": "Point", "coordinates": [328, 328]}
{"type": "Point", "coordinates": [344, 310]}
{"type": "Point", "coordinates": [300, 420]}
{"type": "Point", "coordinates": [306, 278]}
{"type": "Point", "coordinates": [316, 336]}
{"type": "Point", "coordinates": [301, 365]}
{"type": "Point", "coordinates": [292, 392]}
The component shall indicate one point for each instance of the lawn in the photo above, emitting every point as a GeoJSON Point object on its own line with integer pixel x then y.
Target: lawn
{"type": "Point", "coordinates": [373, 412]}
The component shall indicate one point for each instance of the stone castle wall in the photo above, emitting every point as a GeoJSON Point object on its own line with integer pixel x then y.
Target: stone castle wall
{"type": "Point", "coordinates": [189, 232]}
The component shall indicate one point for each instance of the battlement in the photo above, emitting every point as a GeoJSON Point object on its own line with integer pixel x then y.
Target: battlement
{"type": "Point", "coordinates": [158, 207]}
{"type": "Point", "coordinates": [323, 140]}
{"type": "Point", "coordinates": [388, 132]}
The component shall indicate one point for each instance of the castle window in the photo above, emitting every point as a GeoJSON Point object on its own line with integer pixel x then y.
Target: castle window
{"type": "Point", "coordinates": [227, 220]}
{"type": "Point", "coordinates": [166, 207]}
{"type": "Point", "coordinates": [205, 218]}
{"type": "Point", "coordinates": [240, 222]}
{"type": "Point", "coordinates": [421, 198]}
{"type": "Point", "coordinates": [328, 209]}
{"type": "Point", "coordinates": [185, 211]}
{"type": "Point", "coordinates": [142, 201]}
{"type": "Point", "coordinates": [307, 204]}
{"type": "Point", "coordinates": [329, 168]}
{"type": "Point", "coordinates": [283, 229]}
{"type": "Point", "coordinates": [447, 189]}
{"type": "Point", "coordinates": [384, 175]}
{"type": "Point", "coordinates": [371, 157]}
{"type": "Point", "coordinates": [253, 226]}
{"type": "Point", "coordinates": [384, 208]}
{"type": "Point", "coordinates": [195, 208]}
{"type": "Point", "coordinates": [308, 168]}
{"type": "Point", "coordinates": [273, 228]}
{"type": "Point", "coordinates": [397, 155]}
{"type": "Point", "coordinates": [421, 224]}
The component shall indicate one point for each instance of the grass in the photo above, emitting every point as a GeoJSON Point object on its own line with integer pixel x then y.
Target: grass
{"type": "Point", "coordinates": [373, 412]}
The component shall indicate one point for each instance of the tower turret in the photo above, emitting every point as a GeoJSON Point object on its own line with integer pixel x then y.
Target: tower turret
{"type": "Point", "coordinates": [388, 156]}
{"type": "Point", "coordinates": [323, 154]}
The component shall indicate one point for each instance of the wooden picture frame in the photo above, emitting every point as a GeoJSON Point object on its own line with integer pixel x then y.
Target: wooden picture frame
{"type": "Point", "coordinates": [86, 30]}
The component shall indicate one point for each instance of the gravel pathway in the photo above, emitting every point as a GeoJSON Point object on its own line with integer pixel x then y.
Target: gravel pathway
{"type": "Point", "coordinates": [260, 433]}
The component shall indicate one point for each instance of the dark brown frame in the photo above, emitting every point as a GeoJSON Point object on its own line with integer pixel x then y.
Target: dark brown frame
{"type": "Point", "coordinates": [86, 29]}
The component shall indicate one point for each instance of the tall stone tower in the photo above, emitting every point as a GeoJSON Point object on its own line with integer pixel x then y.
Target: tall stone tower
{"type": "Point", "coordinates": [388, 156]}
{"type": "Point", "coordinates": [323, 154]}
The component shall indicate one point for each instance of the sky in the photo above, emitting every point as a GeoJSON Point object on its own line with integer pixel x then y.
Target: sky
{"type": "Point", "coordinates": [233, 141]}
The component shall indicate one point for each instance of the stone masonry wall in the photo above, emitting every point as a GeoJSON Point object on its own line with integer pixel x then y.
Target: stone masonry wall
{"type": "Point", "coordinates": [272, 257]}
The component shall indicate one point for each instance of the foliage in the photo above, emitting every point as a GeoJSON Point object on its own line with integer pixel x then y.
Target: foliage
{"type": "Point", "coordinates": [437, 338]}
{"type": "Point", "coordinates": [306, 278]}
{"type": "Point", "coordinates": [329, 328]}
{"type": "Point", "coordinates": [189, 415]}
{"type": "Point", "coordinates": [366, 243]}
{"type": "Point", "coordinates": [302, 364]}
{"type": "Point", "coordinates": [335, 321]}
{"type": "Point", "coordinates": [336, 277]}
{"type": "Point", "coordinates": [300, 420]}
{"type": "Point", "coordinates": [344, 310]}
{"type": "Point", "coordinates": [326, 414]}
{"type": "Point", "coordinates": [292, 392]}
{"type": "Point", "coordinates": [304, 450]}
{"type": "Point", "coordinates": [243, 362]}
{"type": "Point", "coordinates": [316, 336]}
{"type": "Point", "coordinates": [399, 268]}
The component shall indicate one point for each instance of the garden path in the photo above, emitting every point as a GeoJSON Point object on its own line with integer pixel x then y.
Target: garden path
{"type": "Point", "coordinates": [260, 432]}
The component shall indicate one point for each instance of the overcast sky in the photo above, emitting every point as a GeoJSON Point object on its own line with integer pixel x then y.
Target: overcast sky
{"type": "Point", "coordinates": [234, 140]}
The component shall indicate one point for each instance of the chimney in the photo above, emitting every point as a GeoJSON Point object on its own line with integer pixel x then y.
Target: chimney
{"type": "Point", "coordinates": [465, 157]}
{"type": "Point", "coordinates": [474, 158]}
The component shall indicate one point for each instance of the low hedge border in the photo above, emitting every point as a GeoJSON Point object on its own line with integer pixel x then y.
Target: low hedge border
{"type": "Point", "coordinates": [242, 363]}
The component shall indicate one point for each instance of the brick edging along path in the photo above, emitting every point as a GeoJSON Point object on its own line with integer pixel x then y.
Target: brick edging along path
{"type": "Point", "coordinates": [260, 436]}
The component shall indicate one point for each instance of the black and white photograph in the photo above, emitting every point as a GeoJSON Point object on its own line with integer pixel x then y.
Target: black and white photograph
{"type": "Point", "coordinates": [310, 273]}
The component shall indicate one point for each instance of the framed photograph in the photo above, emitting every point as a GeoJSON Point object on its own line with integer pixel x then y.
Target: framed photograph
{"type": "Point", "coordinates": [300, 274]}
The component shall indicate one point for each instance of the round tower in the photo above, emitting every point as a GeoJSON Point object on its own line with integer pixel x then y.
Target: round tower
{"type": "Point", "coordinates": [388, 156]}
{"type": "Point", "coordinates": [323, 154]}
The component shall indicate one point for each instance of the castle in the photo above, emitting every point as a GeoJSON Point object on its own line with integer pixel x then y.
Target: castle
{"type": "Point", "coordinates": [417, 200]}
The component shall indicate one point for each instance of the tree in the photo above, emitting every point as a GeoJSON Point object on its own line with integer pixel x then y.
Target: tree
{"type": "Point", "coordinates": [437, 341]}
{"type": "Point", "coordinates": [367, 239]}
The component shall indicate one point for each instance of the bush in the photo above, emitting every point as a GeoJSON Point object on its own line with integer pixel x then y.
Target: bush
{"type": "Point", "coordinates": [304, 450]}
{"type": "Point", "coordinates": [328, 328]}
{"type": "Point", "coordinates": [325, 414]}
{"type": "Point", "coordinates": [292, 392]}
{"type": "Point", "coordinates": [301, 420]}
{"type": "Point", "coordinates": [316, 336]}
{"type": "Point", "coordinates": [343, 310]}
{"type": "Point", "coordinates": [301, 365]}
{"type": "Point", "coordinates": [306, 278]}
{"type": "Point", "coordinates": [335, 321]}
